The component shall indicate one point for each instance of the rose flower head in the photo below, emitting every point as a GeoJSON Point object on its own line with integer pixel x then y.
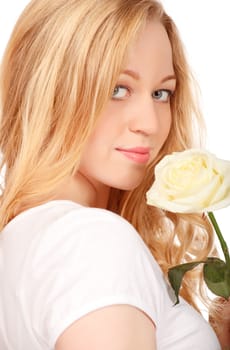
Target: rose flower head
{"type": "Point", "coordinates": [191, 181]}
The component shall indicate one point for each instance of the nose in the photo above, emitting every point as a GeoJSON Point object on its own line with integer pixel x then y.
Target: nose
{"type": "Point", "coordinates": [145, 118]}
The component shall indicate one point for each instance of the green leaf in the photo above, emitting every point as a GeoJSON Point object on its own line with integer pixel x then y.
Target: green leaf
{"type": "Point", "coordinates": [176, 274]}
{"type": "Point", "coordinates": [217, 277]}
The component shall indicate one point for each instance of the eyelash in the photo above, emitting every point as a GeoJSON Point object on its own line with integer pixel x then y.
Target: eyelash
{"type": "Point", "coordinates": [169, 93]}
{"type": "Point", "coordinates": [121, 87]}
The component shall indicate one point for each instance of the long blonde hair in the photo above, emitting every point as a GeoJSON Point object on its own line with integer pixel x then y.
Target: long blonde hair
{"type": "Point", "coordinates": [58, 72]}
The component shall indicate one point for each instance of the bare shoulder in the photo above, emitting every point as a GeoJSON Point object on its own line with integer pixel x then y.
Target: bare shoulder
{"type": "Point", "coordinates": [113, 327]}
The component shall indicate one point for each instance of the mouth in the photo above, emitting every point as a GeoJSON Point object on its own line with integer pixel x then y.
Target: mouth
{"type": "Point", "coordinates": [137, 154]}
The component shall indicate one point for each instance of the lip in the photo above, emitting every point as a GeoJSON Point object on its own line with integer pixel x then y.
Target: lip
{"type": "Point", "coordinates": [137, 154]}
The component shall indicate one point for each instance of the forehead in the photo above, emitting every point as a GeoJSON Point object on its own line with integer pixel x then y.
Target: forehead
{"type": "Point", "coordinates": [151, 50]}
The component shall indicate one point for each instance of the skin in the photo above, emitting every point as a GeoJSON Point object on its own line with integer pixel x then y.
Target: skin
{"type": "Point", "coordinates": [222, 323]}
{"type": "Point", "coordinates": [138, 115]}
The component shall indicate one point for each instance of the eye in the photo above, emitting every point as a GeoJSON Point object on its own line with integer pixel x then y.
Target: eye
{"type": "Point", "coordinates": [120, 92]}
{"type": "Point", "coordinates": [162, 95]}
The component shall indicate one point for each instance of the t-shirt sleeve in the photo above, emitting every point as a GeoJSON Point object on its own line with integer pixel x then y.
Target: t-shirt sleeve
{"type": "Point", "coordinates": [89, 259]}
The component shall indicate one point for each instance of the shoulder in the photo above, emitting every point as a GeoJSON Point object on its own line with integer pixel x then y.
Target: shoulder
{"type": "Point", "coordinates": [68, 235]}
{"type": "Point", "coordinates": [62, 219]}
{"type": "Point", "coordinates": [85, 259]}
{"type": "Point", "coordinates": [66, 223]}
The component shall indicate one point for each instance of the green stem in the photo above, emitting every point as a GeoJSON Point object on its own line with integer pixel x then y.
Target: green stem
{"type": "Point", "coordinates": [221, 238]}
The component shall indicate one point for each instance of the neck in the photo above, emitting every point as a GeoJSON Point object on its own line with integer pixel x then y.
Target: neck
{"type": "Point", "coordinates": [80, 189]}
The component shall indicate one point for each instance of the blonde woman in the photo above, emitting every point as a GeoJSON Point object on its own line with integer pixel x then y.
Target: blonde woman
{"type": "Point", "coordinates": [93, 94]}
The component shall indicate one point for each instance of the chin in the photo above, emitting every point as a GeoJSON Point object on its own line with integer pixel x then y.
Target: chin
{"type": "Point", "coordinates": [127, 185]}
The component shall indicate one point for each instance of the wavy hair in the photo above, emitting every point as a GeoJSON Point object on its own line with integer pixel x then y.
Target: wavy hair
{"type": "Point", "coordinates": [58, 72]}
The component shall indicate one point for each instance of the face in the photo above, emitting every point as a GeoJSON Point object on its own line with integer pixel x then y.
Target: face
{"type": "Point", "coordinates": [137, 119]}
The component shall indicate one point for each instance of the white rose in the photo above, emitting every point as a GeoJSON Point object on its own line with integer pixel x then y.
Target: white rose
{"type": "Point", "coordinates": [191, 181]}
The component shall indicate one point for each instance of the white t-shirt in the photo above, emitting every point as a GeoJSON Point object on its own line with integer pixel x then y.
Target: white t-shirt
{"type": "Point", "coordinates": [59, 261]}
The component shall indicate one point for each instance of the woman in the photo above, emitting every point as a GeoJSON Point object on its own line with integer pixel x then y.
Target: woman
{"type": "Point", "coordinates": [94, 94]}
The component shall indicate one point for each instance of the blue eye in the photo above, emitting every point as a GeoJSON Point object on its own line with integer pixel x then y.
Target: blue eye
{"type": "Point", "coordinates": [120, 92]}
{"type": "Point", "coordinates": [162, 95]}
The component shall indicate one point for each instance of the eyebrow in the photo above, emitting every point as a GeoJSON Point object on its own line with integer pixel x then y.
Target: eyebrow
{"type": "Point", "coordinates": [168, 77]}
{"type": "Point", "coordinates": [133, 74]}
{"type": "Point", "coordinates": [136, 75]}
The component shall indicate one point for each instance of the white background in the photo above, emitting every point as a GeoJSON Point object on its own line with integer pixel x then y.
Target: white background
{"type": "Point", "coordinates": [205, 29]}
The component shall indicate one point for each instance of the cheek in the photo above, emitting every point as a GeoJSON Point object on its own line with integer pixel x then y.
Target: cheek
{"type": "Point", "coordinates": [166, 126]}
{"type": "Point", "coordinates": [169, 125]}
{"type": "Point", "coordinates": [106, 126]}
